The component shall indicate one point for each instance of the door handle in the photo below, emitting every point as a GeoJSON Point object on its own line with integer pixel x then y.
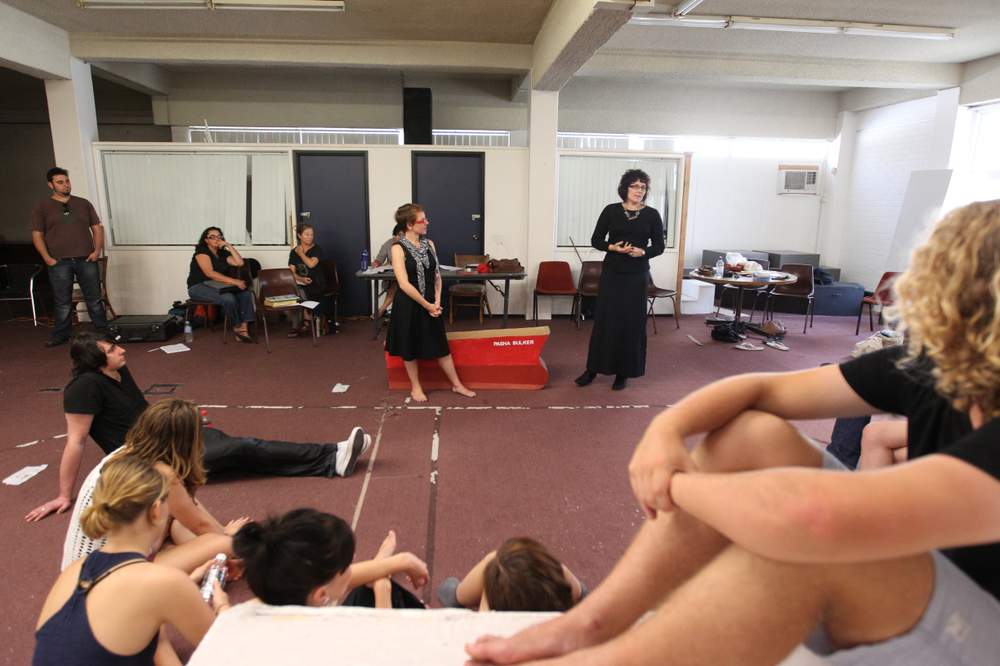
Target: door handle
{"type": "Point", "coordinates": [305, 215]}
{"type": "Point", "coordinates": [475, 236]}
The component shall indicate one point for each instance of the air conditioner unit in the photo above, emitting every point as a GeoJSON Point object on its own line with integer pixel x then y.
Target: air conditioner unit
{"type": "Point", "coordinates": [798, 179]}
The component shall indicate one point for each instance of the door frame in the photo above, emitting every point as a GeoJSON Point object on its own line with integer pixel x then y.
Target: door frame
{"type": "Point", "coordinates": [453, 153]}
{"type": "Point", "coordinates": [298, 187]}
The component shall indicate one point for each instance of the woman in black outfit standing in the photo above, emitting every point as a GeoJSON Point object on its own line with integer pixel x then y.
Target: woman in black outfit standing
{"type": "Point", "coordinates": [416, 330]}
{"type": "Point", "coordinates": [631, 233]}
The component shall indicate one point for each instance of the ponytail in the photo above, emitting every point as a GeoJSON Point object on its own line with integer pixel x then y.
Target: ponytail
{"type": "Point", "coordinates": [126, 490]}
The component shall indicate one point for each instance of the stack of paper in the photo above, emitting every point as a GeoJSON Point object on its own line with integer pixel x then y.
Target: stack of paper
{"type": "Point", "coordinates": [283, 301]}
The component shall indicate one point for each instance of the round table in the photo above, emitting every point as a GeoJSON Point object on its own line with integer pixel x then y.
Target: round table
{"type": "Point", "coordinates": [742, 282]}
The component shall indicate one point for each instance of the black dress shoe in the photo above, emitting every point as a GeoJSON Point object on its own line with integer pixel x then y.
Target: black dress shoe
{"type": "Point", "coordinates": [585, 378]}
{"type": "Point", "coordinates": [619, 383]}
{"type": "Point", "coordinates": [243, 337]}
{"type": "Point", "coordinates": [56, 343]}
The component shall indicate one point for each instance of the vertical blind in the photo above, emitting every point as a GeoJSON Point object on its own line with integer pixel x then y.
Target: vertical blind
{"type": "Point", "coordinates": [168, 198]}
{"type": "Point", "coordinates": [588, 183]}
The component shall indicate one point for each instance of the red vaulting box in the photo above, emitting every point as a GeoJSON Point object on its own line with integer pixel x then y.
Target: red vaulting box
{"type": "Point", "coordinates": [507, 358]}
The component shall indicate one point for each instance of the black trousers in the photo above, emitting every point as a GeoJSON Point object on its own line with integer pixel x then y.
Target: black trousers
{"type": "Point", "coordinates": [248, 455]}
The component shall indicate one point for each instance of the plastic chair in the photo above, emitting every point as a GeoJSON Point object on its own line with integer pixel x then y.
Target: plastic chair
{"type": "Point", "coordinates": [277, 282]}
{"type": "Point", "coordinates": [17, 283]}
{"type": "Point", "coordinates": [77, 298]}
{"type": "Point", "coordinates": [881, 296]}
{"type": "Point", "coordinates": [332, 278]}
{"type": "Point", "coordinates": [652, 293]}
{"type": "Point", "coordinates": [589, 285]}
{"type": "Point", "coordinates": [468, 290]}
{"type": "Point", "coordinates": [248, 272]}
{"type": "Point", "coordinates": [554, 279]}
{"type": "Point", "coordinates": [803, 288]}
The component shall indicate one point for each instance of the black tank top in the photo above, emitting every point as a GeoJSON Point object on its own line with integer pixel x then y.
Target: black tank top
{"type": "Point", "coordinates": [66, 638]}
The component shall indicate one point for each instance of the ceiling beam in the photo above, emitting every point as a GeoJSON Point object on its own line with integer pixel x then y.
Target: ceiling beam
{"type": "Point", "coordinates": [32, 46]}
{"type": "Point", "coordinates": [468, 57]}
{"type": "Point", "coordinates": [144, 77]}
{"type": "Point", "coordinates": [842, 73]}
{"type": "Point", "coordinates": [571, 34]}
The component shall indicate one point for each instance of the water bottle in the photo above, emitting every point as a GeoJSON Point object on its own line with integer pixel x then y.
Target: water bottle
{"type": "Point", "coordinates": [364, 260]}
{"type": "Point", "coordinates": [188, 333]}
{"type": "Point", "coordinates": [720, 267]}
{"type": "Point", "coordinates": [216, 572]}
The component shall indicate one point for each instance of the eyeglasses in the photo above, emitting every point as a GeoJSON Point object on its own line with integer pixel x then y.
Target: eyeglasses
{"type": "Point", "coordinates": [637, 186]}
{"type": "Point", "coordinates": [215, 237]}
{"type": "Point", "coordinates": [66, 210]}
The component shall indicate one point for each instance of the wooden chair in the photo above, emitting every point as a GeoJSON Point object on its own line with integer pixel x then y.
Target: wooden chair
{"type": "Point", "coordinates": [554, 279]}
{"type": "Point", "coordinates": [17, 283]}
{"type": "Point", "coordinates": [277, 282]}
{"type": "Point", "coordinates": [652, 293]}
{"type": "Point", "coordinates": [588, 285]}
{"type": "Point", "coordinates": [803, 288]}
{"type": "Point", "coordinates": [472, 291]}
{"type": "Point", "coordinates": [77, 297]}
{"type": "Point", "coordinates": [881, 296]}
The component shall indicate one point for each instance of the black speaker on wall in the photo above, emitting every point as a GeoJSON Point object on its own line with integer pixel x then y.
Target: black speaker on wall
{"type": "Point", "coordinates": [417, 115]}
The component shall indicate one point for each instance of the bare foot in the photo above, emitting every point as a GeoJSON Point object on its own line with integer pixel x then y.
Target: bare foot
{"type": "Point", "coordinates": [418, 395]}
{"type": "Point", "coordinates": [388, 546]}
{"type": "Point", "coordinates": [461, 390]}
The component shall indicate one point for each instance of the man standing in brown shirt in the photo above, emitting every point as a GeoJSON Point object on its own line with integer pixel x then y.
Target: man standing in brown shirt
{"type": "Point", "coordinates": [68, 235]}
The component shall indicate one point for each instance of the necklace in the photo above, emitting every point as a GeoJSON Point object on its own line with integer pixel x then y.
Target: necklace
{"type": "Point", "coordinates": [632, 215]}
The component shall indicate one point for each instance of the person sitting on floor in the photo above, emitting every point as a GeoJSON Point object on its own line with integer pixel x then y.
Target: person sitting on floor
{"type": "Point", "coordinates": [110, 607]}
{"type": "Point", "coordinates": [211, 262]}
{"type": "Point", "coordinates": [522, 575]}
{"type": "Point", "coordinates": [103, 400]}
{"type": "Point", "coordinates": [756, 541]}
{"type": "Point", "coordinates": [304, 558]}
{"type": "Point", "coordinates": [166, 436]}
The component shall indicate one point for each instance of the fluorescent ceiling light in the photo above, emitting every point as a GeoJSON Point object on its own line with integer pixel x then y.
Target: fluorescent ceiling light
{"type": "Point", "coordinates": [264, 5]}
{"type": "Point", "coordinates": [684, 21]}
{"type": "Point", "coordinates": [784, 25]}
{"type": "Point", "coordinates": [940, 34]}
{"type": "Point", "coordinates": [821, 27]}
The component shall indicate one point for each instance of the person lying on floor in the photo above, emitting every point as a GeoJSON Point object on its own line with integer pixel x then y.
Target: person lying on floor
{"type": "Point", "coordinates": [521, 575]}
{"type": "Point", "coordinates": [102, 400]}
{"type": "Point", "coordinates": [110, 607]}
{"type": "Point", "coordinates": [304, 558]}
{"type": "Point", "coordinates": [166, 436]}
{"type": "Point", "coordinates": [756, 542]}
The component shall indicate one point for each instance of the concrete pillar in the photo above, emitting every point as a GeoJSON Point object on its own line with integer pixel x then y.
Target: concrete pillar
{"type": "Point", "coordinates": [543, 189]}
{"type": "Point", "coordinates": [73, 119]}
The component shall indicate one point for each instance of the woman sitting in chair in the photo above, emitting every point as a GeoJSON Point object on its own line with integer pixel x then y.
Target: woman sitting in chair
{"type": "Point", "coordinates": [213, 256]}
{"type": "Point", "coordinates": [303, 261]}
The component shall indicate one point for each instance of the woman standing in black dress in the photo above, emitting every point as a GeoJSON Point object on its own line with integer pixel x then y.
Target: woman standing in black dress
{"type": "Point", "coordinates": [416, 329]}
{"type": "Point", "coordinates": [631, 233]}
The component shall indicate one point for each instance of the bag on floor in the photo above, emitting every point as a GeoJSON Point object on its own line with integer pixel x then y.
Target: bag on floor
{"type": "Point", "coordinates": [724, 333]}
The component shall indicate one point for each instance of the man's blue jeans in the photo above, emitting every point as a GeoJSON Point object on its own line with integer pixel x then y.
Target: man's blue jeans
{"type": "Point", "coordinates": [89, 277]}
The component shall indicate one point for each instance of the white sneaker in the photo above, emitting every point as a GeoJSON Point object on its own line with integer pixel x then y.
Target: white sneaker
{"type": "Point", "coordinates": [349, 451]}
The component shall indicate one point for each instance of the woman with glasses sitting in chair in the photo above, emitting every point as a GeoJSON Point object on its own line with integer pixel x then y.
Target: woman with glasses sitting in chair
{"type": "Point", "coordinates": [213, 257]}
{"type": "Point", "coordinates": [303, 261]}
{"type": "Point", "coordinates": [631, 233]}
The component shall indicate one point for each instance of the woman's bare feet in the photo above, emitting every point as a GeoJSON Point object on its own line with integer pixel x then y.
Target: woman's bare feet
{"type": "Point", "coordinates": [417, 394]}
{"type": "Point", "coordinates": [461, 390]}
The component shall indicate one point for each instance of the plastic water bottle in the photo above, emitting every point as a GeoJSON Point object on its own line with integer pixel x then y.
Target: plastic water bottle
{"type": "Point", "coordinates": [216, 572]}
{"type": "Point", "coordinates": [188, 333]}
{"type": "Point", "coordinates": [720, 267]}
{"type": "Point", "coordinates": [364, 260]}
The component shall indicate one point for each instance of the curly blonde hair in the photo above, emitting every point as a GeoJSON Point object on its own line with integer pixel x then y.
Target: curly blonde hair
{"type": "Point", "coordinates": [169, 432]}
{"type": "Point", "coordinates": [948, 307]}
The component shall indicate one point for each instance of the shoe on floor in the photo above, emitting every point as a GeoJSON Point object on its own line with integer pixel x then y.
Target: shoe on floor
{"type": "Point", "coordinates": [447, 593]}
{"type": "Point", "coordinates": [349, 451]}
{"type": "Point", "coordinates": [55, 343]}
{"type": "Point", "coordinates": [585, 378]}
{"type": "Point", "coordinates": [777, 344]}
{"type": "Point", "coordinates": [748, 346]}
{"type": "Point", "coordinates": [620, 383]}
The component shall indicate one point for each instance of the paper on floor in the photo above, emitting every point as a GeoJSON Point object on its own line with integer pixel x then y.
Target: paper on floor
{"type": "Point", "coordinates": [175, 349]}
{"type": "Point", "coordinates": [340, 388]}
{"type": "Point", "coordinates": [23, 474]}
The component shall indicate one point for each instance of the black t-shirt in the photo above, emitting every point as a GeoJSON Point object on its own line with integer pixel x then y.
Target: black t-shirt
{"type": "Point", "coordinates": [934, 426]}
{"type": "Point", "coordinates": [115, 406]}
{"type": "Point", "coordinates": [644, 231]}
{"type": "Point", "coordinates": [219, 265]}
{"type": "Point", "coordinates": [316, 273]}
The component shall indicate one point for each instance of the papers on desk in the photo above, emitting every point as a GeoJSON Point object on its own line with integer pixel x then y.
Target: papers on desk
{"type": "Point", "coordinates": [375, 270]}
{"type": "Point", "coordinates": [450, 268]}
